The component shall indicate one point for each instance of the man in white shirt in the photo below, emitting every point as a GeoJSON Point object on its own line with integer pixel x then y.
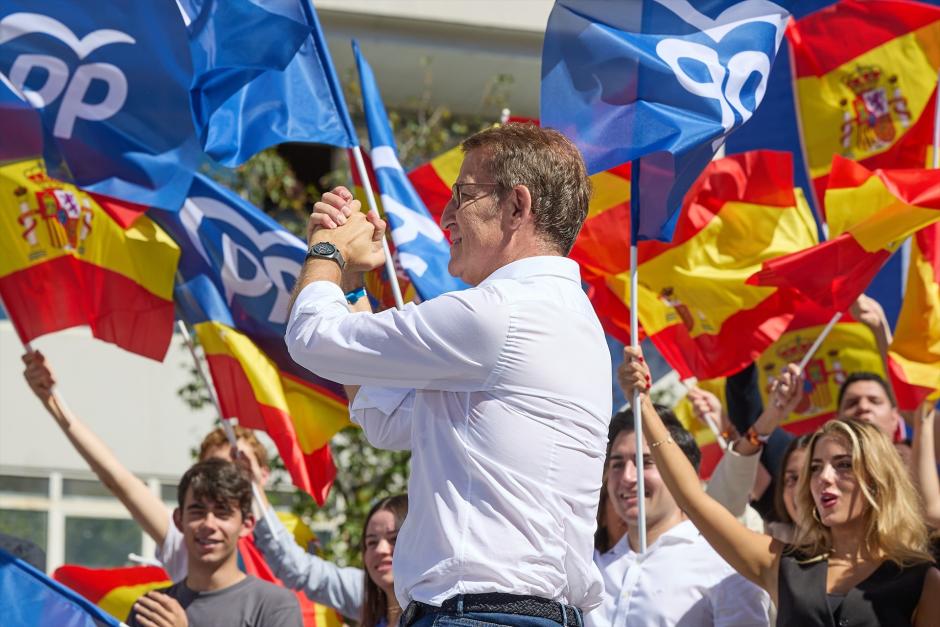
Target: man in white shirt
{"type": "Point", "coordinates": [501, 391]}
{"type": "Point", "coordinates": [680, 579]}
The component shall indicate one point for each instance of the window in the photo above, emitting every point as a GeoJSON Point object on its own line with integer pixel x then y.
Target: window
{"type": "Point", "coordinates": [35, 486]}
{"type": "Point", "coordinates": [100, 542]}
{"type": "Point", "coordinates": [25, 524]}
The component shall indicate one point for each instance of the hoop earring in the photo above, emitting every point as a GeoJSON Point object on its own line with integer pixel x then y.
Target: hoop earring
{"type": "Point", "coordinates": [816, 515]}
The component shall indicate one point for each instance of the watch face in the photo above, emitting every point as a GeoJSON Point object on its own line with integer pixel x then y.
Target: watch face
{"type": "Point", "coordinates": [324, 248]}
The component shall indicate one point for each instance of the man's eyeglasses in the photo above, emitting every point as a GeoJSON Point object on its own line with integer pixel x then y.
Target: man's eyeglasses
{"type": "Point", "coordinates": [458, 195]}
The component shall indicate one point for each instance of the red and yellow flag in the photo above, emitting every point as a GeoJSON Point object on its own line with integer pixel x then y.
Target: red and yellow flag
{"type": "Point", "coordinates": [849, 347]}
{"type": "Point", "coordinates": [866, 78]}
{"type": "Point", "coordinates": [694, 303]}
{"type": "Point", "coordinates": [66, 262]}
{"type": "Point", "coordinates": [914, 355]}
{"type": "Point", "coordinates": [113, 589]}
{"type": "Point", "coordinates": [298, 416]}
{"type": "Point", "coordinates": [871, 215]}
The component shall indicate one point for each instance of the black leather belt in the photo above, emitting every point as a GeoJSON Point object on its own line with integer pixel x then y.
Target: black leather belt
{"type": "Point", "coordinates": [497, 603]}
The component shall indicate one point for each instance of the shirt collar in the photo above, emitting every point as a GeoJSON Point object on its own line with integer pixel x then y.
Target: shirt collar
{"type": "Point", "coordinates": [683, 533]}
{"type": "Point", "coordinates": [554, 265]}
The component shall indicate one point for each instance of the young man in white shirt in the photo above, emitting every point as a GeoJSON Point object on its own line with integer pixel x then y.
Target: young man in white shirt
{"type": "Point", "coordinates": [680, 579]}
{"type": "Point", "coordinates": [501, 391]}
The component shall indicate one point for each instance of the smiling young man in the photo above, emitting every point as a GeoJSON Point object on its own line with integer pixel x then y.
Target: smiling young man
{"type": "Point", "coordinates": [503, 531]}
{"type": "Point", "coordinates": [866, 396]}
{"type": "Point", "coordinates": [680, 579]}
{"type": "Point", "coordinates": [214, 512]}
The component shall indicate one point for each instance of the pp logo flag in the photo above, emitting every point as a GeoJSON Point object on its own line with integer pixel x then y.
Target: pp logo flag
{"type": "Point", "coordinates": [112, 90]}
{"type": "Point", "coordinates": [659, 81]}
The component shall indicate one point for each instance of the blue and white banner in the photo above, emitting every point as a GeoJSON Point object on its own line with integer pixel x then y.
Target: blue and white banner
{"type": "Point", "coordinates": [659, 82]}
{"type": "Point", "coordinates": [111, 83]}
{"type": "Point", "coordinates": [262, 76]}
{"type": "Point", "coordinates": [422, 249]}
{"type": "Point", "coordinates": [237, 266]}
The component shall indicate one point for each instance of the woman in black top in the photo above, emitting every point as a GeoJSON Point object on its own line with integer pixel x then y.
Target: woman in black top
{"type": "Point", "coordinates": [859, 557]}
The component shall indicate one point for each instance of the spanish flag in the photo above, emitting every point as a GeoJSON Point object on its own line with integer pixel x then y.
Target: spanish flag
{"type": "Point", "coordinates": [694, 302]}
{"type": "Point", "coordinates": [876, 212]}
{"type": "Point", "coordinates": [865, 83]}
{"type": "Point", "coordinates": [849, 347]}
{"type": "Point", "coordinates": [114, 590]}
{"type": "Point", "coordinates": [914, 355]}
{"type": "Point", "coordinates": [66, 262]}
{"type": "Point", "coordinates": [237, 270]}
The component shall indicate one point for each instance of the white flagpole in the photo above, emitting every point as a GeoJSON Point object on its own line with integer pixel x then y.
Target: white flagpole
{"type": "Point", "coordinates": [819, 340]}
{"type": "Point", "coordinates": [635, 402]}
{"type": "Point", "coordinates": [226, 422]}
{"type": "Point", "coordinates": [710, 420]}
{"type": "Point", "coordinates": [936, 126]}
{"type": "Point", "coordinates": [28, 347]}
{"type": "Point", "coordinates": [370, 197]}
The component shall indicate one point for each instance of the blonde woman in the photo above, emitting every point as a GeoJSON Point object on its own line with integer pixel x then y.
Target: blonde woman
{"type": "Point", "coordinates": [859, 557]}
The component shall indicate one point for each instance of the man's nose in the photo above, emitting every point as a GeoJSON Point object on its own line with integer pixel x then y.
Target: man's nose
{"type": "Point", "coordinates": [629, 473]}
{"type": "Point", "coordinates": [448, 214]}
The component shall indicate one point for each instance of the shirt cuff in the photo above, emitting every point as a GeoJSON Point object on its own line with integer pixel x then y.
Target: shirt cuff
{"type": "Point", "coordinates": [386, 400]}
{"type": "Point", "coordinates": [318, 296]}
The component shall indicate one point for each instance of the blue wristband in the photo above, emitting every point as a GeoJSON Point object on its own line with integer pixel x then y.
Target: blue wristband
{"type": "Point", "coordinates": [353, 297]}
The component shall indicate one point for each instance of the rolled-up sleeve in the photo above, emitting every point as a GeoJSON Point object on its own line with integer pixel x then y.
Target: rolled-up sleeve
{"type": "Point", "coordinates": [322, 581]}
{"type": "Point", "coordinates": [385, 416]}
{"type": "Point", "coordinates": [452, 342]}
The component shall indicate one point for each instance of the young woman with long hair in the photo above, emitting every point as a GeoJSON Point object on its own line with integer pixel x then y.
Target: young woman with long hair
{"type": "Point", "coordinates": [859, 556]}
{"type": "Point", "coordinates": [366, 595]}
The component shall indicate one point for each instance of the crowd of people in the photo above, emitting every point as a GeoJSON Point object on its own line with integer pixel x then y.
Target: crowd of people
{"type": "Point", "coordinates": [523, 498]}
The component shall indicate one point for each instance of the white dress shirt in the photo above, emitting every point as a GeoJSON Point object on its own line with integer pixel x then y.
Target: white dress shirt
{"type": "Point", "coordinates": [502, 393]}
{"type": "Point", "coordinates": [680, 580]}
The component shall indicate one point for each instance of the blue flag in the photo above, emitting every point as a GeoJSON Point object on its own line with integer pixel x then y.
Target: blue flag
{"type": "Point", "coordinates": [658, 82]}
{"type": "Point", "coordinates": [237, 266]}
{"type": "Point", "coordinates": [262, 76]}
{"type": "Point", "coordinates": [28, 598]}
{"type": "Point", "coordinates": [422, 249]}
{"type": "Point", "coordinates": [111, 84]}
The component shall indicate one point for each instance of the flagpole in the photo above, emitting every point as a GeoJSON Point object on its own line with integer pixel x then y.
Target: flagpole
{"type": "Point", "coordinates": [710, 421]}
{"type": "Point", "coordinates": [370, 197]}
{"type": "Point", "coordinates": [819, 340]}
{"type": "Point", "coordinates": [28, 347]}
{"type": "Point", "coordinates": [936, 125]}
{"type": "Point", "coordinates": [635, 401]}
{"type": "Point", "coordinates": [227, 427]}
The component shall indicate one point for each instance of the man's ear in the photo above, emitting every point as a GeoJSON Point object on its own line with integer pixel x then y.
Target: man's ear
{"type": "Point", "coordinates": [248, 526]}
{"type": "Point", "coordinates": [178, 519]}
{"type": "Point", "coordinates": [519, 211]}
